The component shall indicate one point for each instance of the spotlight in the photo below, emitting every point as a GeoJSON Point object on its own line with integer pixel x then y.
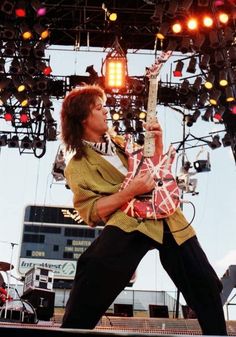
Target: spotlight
{"type": "Point", "coordinates": [223, 17]}
{"type": "Point", "coordinates": [115, 115]}
{"type": "Point", "coordinates": [38, 143]}
{"type": "Point", "coordinates": [202, 165]}
{"type": "Point", "coordinates": [176, 28]}
{"type": "Point", "coordinates": [20, 9]}
{"type": "Point", "coordinates": [192, 24]}
{"type": "Point", "coordinates": [24, 118]}
{"type": "Point", "coordinates": [190, 119]}
{"type": "Point", "coordinates": [207, 21]}
{"type": "Point", "coordinates": [137, 86]}
{"type": "Point", "coordinates": [219, 58]}
{"type": "Point", "coordinates": [202, 99]}
{"type": "Point", "coordinates": [185, 45]}
{"type": "Point", "coordinates": [26, 32]}
{"type": "Point", "coordinates": [39, 50]}
{"type": "Point", "coordinates": [217, 117]}
{"type": "Point", "coordinates": [223, 81]}
{"type": "Point", "coordinates": [21, 97]}
{"type": "Point", "coordinates": [204, 62]}
{"type": "Point", "coordinates": [8, 116]}
{"type": "Point", "coordinates": [227, 140]}
{"type": "Point", "coordinates": [13, 142]}
{"type": "Point", "coordinates": [230, 97]}
{"type": "Point", "coordinates": [178, 69]}
{"type": "Point", "coordinates": [8, 32]}
{"type": "Point", "coordinates": [7, 6]}
{"type": "Point", "coordinates": [192, 65]}
{"type": "Point", "coordinates": [163, 30]}
{"type": "Point", "coordinates": [158, 13]}
{"type": "Point", "coordinates": [51, 132]}
{"type": "Point", "coordinates": [198, 41]}
{"type": "Point", "coordinates": [214, 96]}
{"type": "Point", "coordinates": [197, 84]}
{"type": "Point", "coordinates": [115, 73]}
{"type": "Point", "coordinates": [24, 49]}
{"type": "Point", "coordinates": [215, 143]}
{"type": "Point", "coordinates": [191, 101]}
{"type": "Point", "coordinates": [208, 114]}
{"type": "Point", "coordinates": [26, 143]}
{"type": "Point", "coordinates": [43, 32]}
{"type": "Point", "coordinates": [3, 140]}
{"type": "Point", "coordinates": [39, 7]}
{"type": "Point", "coordinates": [10, 48]}
{"type": "Point", "coordinates": [15, 66]}
{"type": "Point", "coordinates": [184, 89]}
{"type": "Point", "coordinates": [209, 81]}
{"type": "Point", "coordinates": [19, 85]}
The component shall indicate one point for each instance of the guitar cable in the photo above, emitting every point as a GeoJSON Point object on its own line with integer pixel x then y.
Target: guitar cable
{"type": "Point", "coordinates": [194, 213]}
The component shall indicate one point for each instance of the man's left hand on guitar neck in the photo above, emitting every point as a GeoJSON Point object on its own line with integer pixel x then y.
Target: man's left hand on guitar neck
{"type": "Point", "coordinates": [155, 130]}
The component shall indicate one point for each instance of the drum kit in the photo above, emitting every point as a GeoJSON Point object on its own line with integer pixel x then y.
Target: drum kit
{"type": "Point", "coordinates": [14, 310]}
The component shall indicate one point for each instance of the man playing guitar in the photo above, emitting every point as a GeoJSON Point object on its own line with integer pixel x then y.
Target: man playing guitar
{"type": "Point", "coordinates": [96, 176]}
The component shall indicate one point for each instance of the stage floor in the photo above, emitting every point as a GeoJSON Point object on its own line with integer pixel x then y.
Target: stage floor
{"type": "Point", "coordinates": [111, 326]}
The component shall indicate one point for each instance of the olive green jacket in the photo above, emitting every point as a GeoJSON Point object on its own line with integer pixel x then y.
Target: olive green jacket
{"type": "Point", "coordinates": [93, 177]}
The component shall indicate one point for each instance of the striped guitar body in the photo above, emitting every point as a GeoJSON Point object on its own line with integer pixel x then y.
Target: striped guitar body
{"type": "Point", "coordinates": [164, 199]}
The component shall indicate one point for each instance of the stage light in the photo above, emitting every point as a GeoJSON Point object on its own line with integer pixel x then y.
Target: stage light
{"type": "Point", "coordinates": [24, 118]}
{"type": "Point", "coordinates": [30, 67]}
{"type": "Point", "coordinates": [2, 65]}
{"type": "Point", "coordinates": [227, 140]}
{"type": "Point", "coordinates": [10, 48]}
{"type": "Point", "coordinates": [202, 165]}
{"type": "Point", "coordinates": [46, 101]}
{"type": "Point", "coordinates": [15, 66]}
{"type": "Point", "coordinates": [20, 9]}
{"type": "Point", "coordinates": [142, 115]}
{"type": "Point", "coordinates": [19, 85]}
{"type": "Point", "coordinates": [185, 45]}
{"type": "Point", "coordinates": [13, 142]}
{"type": "Point", "coordinates": [191, 101]}
{"type": "Point", "coordinates": [198, 41]}
{"type": "Point", "coordinates": [228, 35]}
{"type": "Point", "coordinates": [43, 32]}
{"type": "Point", "coordinates": [21, 98]}
{"type": "Point", "coordinates": [26, 32]}
{"type": "Point", "coordinates": [192, 24]}
{"type": "Point", "coordinates": [4, 83]}
{"type": "Point", "coordinates": [209, 81]}
{"type": "Point", "coordinates": [9, 32]}
{"type": "Point", "coordinates": [217, 117]}
{"type": "Point", "coordinates": [176, 28]}
{"type": "Point", "coordinates": [192, 65]}
{"type": "Point", "coordinates": [214, 96]}
{"type": "Point", "coordinates": [163, 30]}
{"type": "Point", "coordinates": [172, 8]}
{"type": "Point", "coordinates": [233, 109]}
{"type": "Point", "coordinates": [204, 61]}
{"type": "Point", "coordinates": [190, 119]}
{"type": "Point", "coordinates": [178, 69]}
{"type": "Point", "coordinates": [38, 143]}
{"type": "Point", "coordinates": [115, 75]}
{"type": "Point", "coordinates": [232, 55]}
{"type": "Point", "coordinates": [115, 115]}
{"type": "Point", "coordinates": [41, 84]}
{"type": "Point", "coordinates": [208, 114]}
{"type": "Point", "coordinates": [230, 97]}
{"type": "Point", "coordinates": [8, 116]}
{"type": "Point", "coordinates": [202, 99]}
{"type": "Point", "coordinates": [207, 21]}
{"type": "Point", "coordinates": [223, 81]}
{"type": "Point", "coordinates": [39, 50]}
{"type": "Point", "coordinates": [7, 6]}
{"type": "Point", "coordinates": [203, 3]}
{"type": "Point", "coordinates": [215, 143]}
{"type": "Point", "coordinates": [24, 49]}
{"type": "Point", "coordinates": [223, 17]}
{"type": "Point", "coordinates": [137, 86]}
{"type": "Point", "coordinates": [184, 88]}
{"type": "Point", "coordinates": [39, 7]}
{"type": "Point", "coordinates": [3, 140]}
{"type": "Point", "coordinates": [4, 96]}
{"type": "Point", "coordinates": [26, 143]}
{"type": "Point", "coordinates": [44, 68]}
{"type": "Point", "coordinates": [158, 14]}
{"type": "Point", "coordinates": [51, 132]}
{"type": "Point", "coordinates": [197, 84]}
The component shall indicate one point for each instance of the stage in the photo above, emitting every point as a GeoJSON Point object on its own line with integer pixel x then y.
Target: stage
{"type": "Point", "coordinates": [111, 326]}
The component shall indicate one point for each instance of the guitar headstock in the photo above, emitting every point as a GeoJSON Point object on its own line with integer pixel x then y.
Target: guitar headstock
{"type": "Point", "coordinates": [154, 70]}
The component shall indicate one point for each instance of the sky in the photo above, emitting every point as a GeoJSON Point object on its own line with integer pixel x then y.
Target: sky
{"type": "Point", "coordinates": [26, 180]}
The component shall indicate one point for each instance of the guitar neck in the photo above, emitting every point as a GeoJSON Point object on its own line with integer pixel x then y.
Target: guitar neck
{"type": "Point", "coordinates": [149, 141]}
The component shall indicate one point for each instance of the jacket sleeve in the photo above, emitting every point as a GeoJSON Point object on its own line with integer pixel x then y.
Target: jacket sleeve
{"type": "Point", "coordinates": [84, 198]}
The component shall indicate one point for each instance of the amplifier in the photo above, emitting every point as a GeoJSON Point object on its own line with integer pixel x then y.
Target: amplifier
{"type": "Point", "coordinates": [38, 278]}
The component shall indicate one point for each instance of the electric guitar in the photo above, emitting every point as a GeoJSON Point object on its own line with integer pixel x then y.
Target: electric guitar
{"type": "Point", "coordinates": [164, 199]}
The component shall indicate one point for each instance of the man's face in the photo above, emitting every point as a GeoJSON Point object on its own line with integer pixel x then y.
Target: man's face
{"type": "Point", "coordinates": [96, 123]}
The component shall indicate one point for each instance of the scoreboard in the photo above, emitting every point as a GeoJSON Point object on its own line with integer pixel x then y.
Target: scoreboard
{"type": "Point", "coordinates": [54, 237]}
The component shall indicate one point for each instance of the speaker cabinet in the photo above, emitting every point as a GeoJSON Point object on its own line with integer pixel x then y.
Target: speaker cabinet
{"type": "Point", "coordinates": [124, 310]}
{"type": "Point", "coordinates": [42, 301]}
{"type": "Point", "coordinates": [158, 311]}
